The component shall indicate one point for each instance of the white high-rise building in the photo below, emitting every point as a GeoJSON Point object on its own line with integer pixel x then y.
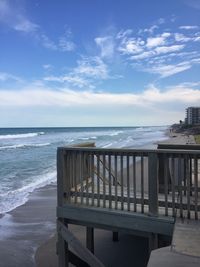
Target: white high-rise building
{"type": "Point", "coordinates": [192, 115]}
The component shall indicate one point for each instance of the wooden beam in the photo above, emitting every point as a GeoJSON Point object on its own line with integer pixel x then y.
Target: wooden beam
{"type": "Point", "coordinates": [90, 238]}
{"type": "Point", "coordinates": [114, 219]}
{"type": "Point", "coordinates": [76, 261]}
{"type": "Point", "coordinates": [78, 248]}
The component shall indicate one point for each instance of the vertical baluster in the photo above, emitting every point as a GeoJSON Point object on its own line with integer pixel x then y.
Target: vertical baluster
{"type": "Point", "coordinates": [166, 180]}
{"type": "Point", "coordinates": [196, 187]}
{"type": "Point", "coordinates": [75, 175]}
{"type": "Point", "coordinates": [81, 174]}
{"type": "Point", "coordinates": [68, 176]}
{"type": "Point", "coordinates": [190, 169]}
{"type": "Point", "coordinates": [93, 174]}
{"type": "Point", "coordinates": [104, 181]}
{"type": "Point", "coordinates": [87, 176]}
{"type": "Point", "coordinates": [128, 183]}
{"type": "Point", "coordinates": [116, 181]}
{"type": "Point", "coordinates": [185, 179]}
{"type": "Point", "coordinates": [122, 182]}
{"type": "Point", "coordinates": [134, 184]}
{"type": "Point", "coordinates": [153, 183]}
{"type": "Point", "coordinates": [142, 184]}
{"type": "Point", "coordinates": [110, 182]}
{"type": "Point", "coordinates": [70, 169]}
{"type": "Point", "coordinates": [71, 175]}
{"type": "Point", "coordinates": [180, 178]}
{"type": "Point", "coordinates": [173, 186]}
{"type": "Point", "coordinates": [188, 186]}
{"type": "Point", "coordinates": [98, 180]}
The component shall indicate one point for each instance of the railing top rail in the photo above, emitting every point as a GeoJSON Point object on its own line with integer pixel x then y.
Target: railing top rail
{"type": "Point", "coordinates": [125, 151]}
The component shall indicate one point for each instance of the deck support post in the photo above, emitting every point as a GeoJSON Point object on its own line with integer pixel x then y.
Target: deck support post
{"type": "Point", "coordinates": [90, 238]}
{"type": "Point", "coordinates": [153, 242]}
{"type": "Point", "coordinates": [115, 237]}
{"type": "Point", "coordinates": [62, 251]}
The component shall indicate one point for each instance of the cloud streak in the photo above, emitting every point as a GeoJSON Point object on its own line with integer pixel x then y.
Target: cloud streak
{"type": "Point", "coordinates": [164, 53]}
{"type": "Point", "coordinates": [65, 97]}
{"type": "Point", "coordinates": [12, 16]}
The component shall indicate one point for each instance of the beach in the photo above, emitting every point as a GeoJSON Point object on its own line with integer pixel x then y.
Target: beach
{"type": "Point", "coordinates": [129, 249]}
{"type": "Point", "coordinates": [27, 231]}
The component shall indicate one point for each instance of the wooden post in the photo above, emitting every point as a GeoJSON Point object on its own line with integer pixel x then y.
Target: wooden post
{"type": "Point", "coordinates": [62, 250]}
{"type": "Point", "coordinates": [62, 246]}
{"type": "Point", "coordinates": [115, 237]}
{"type": "Point", "coordinates": [153, 184]}
{"type": "Point", "coordinates": [77, 247]}
{"type": "Point", "coordinates": [153, 242]}
{"type": "Point", "coordinates": [90, 238]}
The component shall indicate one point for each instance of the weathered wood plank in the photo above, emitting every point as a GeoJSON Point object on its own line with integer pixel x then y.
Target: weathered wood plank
{"type": "Point", "coordinates": [117, 219]}
{"type": "Point", "coordinates": [153, 184]}
{"type": "Point", "coordinates": [90, 238]}
{"type": "Point", "coordinates": [83, 252]}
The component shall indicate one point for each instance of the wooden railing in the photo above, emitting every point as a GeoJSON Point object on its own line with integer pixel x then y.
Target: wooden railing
{"type": "Point", "coordinates": [155, 182]}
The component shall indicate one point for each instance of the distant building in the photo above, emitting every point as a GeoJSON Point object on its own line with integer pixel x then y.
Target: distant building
{"type": "Point", "coordinates": [192, 115]}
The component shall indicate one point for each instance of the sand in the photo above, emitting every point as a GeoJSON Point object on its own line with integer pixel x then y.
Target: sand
{"type": "Point", "coordinates": [27, 235]}
{"type": "Point", "coordinates": [130, 249]}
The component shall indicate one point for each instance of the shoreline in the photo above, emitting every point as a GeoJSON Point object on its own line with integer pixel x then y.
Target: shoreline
{"type": "Point", "coordinates": [25, 228]}
{"type": "Point", "coordinates": [31, 227]}
{"type": "Point", "coordinates": [101, 236]}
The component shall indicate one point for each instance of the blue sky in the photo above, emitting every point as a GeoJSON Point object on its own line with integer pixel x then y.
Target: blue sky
{"type": "Point", "coordinates": [98, 62]}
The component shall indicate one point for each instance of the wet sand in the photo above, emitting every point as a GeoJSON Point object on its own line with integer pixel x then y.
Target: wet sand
{"type": "Point", "coordinates": [128, 251]}
{"type": "Point", "coordinates": [27, 237]}
{"type": "Point", "coordinates": [24, 229]}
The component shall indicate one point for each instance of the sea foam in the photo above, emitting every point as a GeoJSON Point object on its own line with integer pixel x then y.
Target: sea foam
{"type": "Point", "coordinates": [24, 135]}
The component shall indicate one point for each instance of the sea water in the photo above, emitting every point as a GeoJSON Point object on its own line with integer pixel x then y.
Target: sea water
{"type": "Point", "coordinates": [28, 155]}
{"type": "Point", "coordinates": [28, 163]}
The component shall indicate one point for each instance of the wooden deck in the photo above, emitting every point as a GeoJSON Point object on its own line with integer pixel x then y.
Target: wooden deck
{"type": "Point", "coordinates": [136, 191]}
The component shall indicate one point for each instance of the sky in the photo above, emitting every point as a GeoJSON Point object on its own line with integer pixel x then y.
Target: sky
{"type": "Point", "coordinates": [98, 62]}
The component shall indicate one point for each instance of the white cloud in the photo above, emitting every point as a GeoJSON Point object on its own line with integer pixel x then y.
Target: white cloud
{"type": "Point", "coordinates": [165, 53]}
{"type": "Point", "coordinates": [74, 80]}
{"type": "Point", "coordinates": [143, 55]}
{"type": "Point", "coordinates": [65, 97]}
{"type": "Point", "coordinates": [47, 66]}
{"type": "Point", "coordinates": [188, 27]}
{"type": "Point", "coordinates": [24, 25]}
{"type": "Point", "coordinates": [151, 29]}
{"type": "Point", "coordinates": [168, 49]}
{"type": "Point", "coordinates": [179, 37]}
{"type": "Point", "coordinates": [47, 43]}
{"type": "Point", "coordinates": [106, 45]}
{"type": "Point", "coordinates": [92, 67]}
{"type": "Point", "coordinates": [7, 76]}
{"type": "Point", "coordinates": [123, 33]}
{"type": "Point", "coordinates": [65, 41]}
{"type": "Point", "coordinates": [66, 45]}
{"type": "Point", "coordinates": [156, 41]}
{"type": "Point", "coordinates": [43, 106]}
{"type": "Point", "coordinates": [131, 46]}
{"type": "Point", "coordinates": [169, 70]}
{"type": "Point", "coordinates": [89, 70]}
{"type": "Point", "coordinates": [11, 16]}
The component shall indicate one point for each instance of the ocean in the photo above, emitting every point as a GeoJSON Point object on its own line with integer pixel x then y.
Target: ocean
{"type": "Point", "coordinates": [28, 155]}
{"type": "Point", "coordinates": [28, 176]}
